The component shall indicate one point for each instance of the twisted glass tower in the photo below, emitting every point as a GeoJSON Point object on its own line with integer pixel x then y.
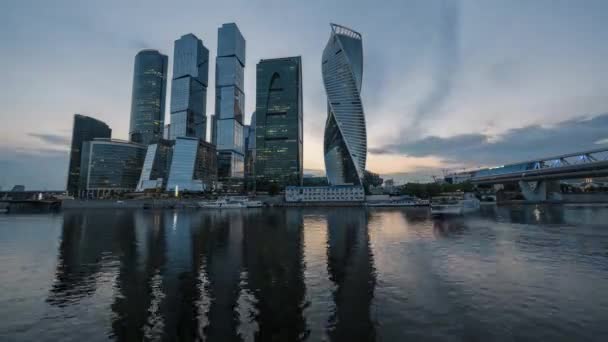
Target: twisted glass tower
{"type": "Point", "coordinates": [345, 142]}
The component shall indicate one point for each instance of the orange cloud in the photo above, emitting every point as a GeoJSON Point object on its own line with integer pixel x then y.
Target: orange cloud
{"type": "Point", "coordinates": [394, 163]}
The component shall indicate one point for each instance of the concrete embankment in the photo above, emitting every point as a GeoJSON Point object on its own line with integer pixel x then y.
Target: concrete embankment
{"type": "Point", "coordinates": [320, 204]}
{"type": "Point", "coordinates": [129, 204]}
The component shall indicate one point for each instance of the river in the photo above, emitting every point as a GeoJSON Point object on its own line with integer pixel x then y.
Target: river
{"type": "Point", "coordinates": [537, 273]}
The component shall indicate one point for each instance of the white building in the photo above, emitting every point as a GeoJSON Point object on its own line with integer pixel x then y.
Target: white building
{"type": "Point", "coordinates": [339, 193]}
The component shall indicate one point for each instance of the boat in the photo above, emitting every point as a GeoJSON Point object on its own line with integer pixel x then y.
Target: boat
{"type": "Point", "coordinates": [406, 203]}
{"type": "Point", "coordinates": [457, 203]}
{"type": "Point", "coordinates": [231, 203]}
{"type": "Point", "coordinates": [253, 204]}
{"type": "Point", "coordinates": [222, 204]}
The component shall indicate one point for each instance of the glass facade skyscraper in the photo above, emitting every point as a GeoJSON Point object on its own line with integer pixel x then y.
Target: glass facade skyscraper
{"type": "Point", "coordinates": [189, 88]}
{"type": "Point", "coordinates": [193, 165]}
{"type": "Point", "coordinates": [230, 101]}
{"type": "Point", "coordinates": [345, 141]}
{"type": "Point", "coordinates": [84, 129]}
{"type": "Point", "coordinates": [148, 97]}
{"type": "Point", "coordinates": [110, 165]}
{"type": "Point", "coordinates": [278, 130]}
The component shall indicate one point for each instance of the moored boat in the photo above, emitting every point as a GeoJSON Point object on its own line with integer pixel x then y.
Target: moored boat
{"type": "Point", "coordinates": [457, 203]}
{"type": "Point", "coordinates": [222, 204]}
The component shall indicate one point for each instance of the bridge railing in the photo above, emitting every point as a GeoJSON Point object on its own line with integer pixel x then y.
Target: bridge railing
{"type": "Point", "coordinates": [561, 161]}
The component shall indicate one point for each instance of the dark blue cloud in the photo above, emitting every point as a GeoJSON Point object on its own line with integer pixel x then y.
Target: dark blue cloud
{"type": "Point", "coordinates": [514, 145]}
{"type": "Point", "coordinates": [53, 139]}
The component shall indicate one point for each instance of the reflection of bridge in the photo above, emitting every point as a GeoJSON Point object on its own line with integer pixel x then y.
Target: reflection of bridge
{"type": "Point", "coordinates": [538, 179]}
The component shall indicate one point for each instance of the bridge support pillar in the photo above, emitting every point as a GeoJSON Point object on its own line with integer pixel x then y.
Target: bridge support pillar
{"type": "Point", "coordinates": [541, 191]}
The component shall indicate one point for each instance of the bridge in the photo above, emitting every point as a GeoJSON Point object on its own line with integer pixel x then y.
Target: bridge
{"type": "Point", "coordinates": [539, 179]}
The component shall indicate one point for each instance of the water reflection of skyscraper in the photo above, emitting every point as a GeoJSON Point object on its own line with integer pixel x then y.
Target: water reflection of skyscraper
{"type": "Point", "coordinates": [221, 276]}
{"type": "Point", "coordinates": [222, 240]}
{"type": "Point", "coordinates": [274, 264]}
{"type": "Point", "coordinates": [141, 259]}
{"type": "Point", "coordinates": [351, 268]}
{"type": "Point", "coordinates": [87, 248]}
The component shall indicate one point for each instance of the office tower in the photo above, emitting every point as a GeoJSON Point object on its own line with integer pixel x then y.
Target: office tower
{"type": "Point", "coordinates": [345, 143]}
{"type": "Point", "coordinates": [148, 98]}
{"type": "Point", "coordinates": [110, 166]}
{"type": "Point", "coordinates": [193, 165]}
{"type": "Point", "coordinates": [213, 129]}
{"type": "Point", "coordinates": [84, 129]}
{"type": "Point", "coordinates": [279, 135]}
{"type": "Point", "coordinates": [230, 101]}
{"type": "Point", "coordinates": [250, 153]}
{"type": "Point", "coordinates": [167, 132]}
{"type": "Point", "coordinates": [155, 171]}
{"type": "Point", "coordinates": [189, 88]}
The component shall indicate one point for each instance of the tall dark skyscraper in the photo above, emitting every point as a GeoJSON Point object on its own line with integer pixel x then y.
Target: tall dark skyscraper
{"type": "Point", "coordinates": [84, 129]}
{"type": "Point", "coordinates": [189, 88]}
{"type": "Point", "coordinates": [148, 98]}
{"type": "Point", "coordinates": [278, 130]}
{"type": "Point", "coordinates": [230, 101]}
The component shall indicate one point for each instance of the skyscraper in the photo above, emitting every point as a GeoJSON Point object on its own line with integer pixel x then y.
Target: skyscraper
{"type": "Point", "coordinates": [345, 143]}
{"type": "Point", "coordinates": [84, 129]}
{"type": "Point", "coordinates": [230, 101]}
{"type": "Point", "coordinates": [278, 130]}
{"type": "Point", "coordinates": [213, 129]}
{"type": "Point", "coordinates": [148, 97]}
{"type": "Point", "coordinates": [189, 88]}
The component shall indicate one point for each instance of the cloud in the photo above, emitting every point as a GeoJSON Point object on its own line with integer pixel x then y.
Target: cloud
{"type": "Point", "coordinates": [446, 62]}
{"type": "Point", "coordinates": [534, 141]}
{"type": "Point", "coordinates": [53, 139]}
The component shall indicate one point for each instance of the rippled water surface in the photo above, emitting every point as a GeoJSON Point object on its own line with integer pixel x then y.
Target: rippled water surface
{"type": "Point", "coordinates": [340, 274]}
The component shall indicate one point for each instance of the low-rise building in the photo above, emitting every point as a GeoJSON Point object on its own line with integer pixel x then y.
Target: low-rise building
{"type": "Point", "coordinates": [110, 166]}
{"type": "Point", "coordinates": [193, 166]}
{"type": "Point", "coordinates": [155, 171]}
{"type": "Point", "coordinates": [338, 193]}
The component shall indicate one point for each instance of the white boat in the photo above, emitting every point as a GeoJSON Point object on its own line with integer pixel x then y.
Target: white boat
{"type": "Point", "coordinates": [395, 204]}
{"type": "Point", "coordinates": [457, 203]}
{"type": "Point", "coordinates": [231, 203]}
{"type": "Point", "coordinates": [253, 204]}
{"type": "Point", "coordinates": [222, 204]}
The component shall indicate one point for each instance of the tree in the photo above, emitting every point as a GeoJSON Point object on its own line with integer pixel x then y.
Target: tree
{"type": "Point", "coordinates": [371, 179]}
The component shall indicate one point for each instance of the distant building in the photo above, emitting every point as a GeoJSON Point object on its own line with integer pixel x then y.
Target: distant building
{"type": "Point", "coordinates": [339, 193]}
{"type": "Point", "coordinates": [250, 149]}
{"type": "Point", "coordinates": [167, 132]}
{"type": "Point", "coordinates": [345, 143]}
{"type": "Point", "coordinates": [189, 88]}
{"type": "Point", "coordinates": [110, 166]}
{"type": "Point", "coordinates": [84, 129]}
{"type": "Point", "coordinates": [155, 170]}
{"type": "Point", "coordinates": [279, 115]}
{"type": "Point", "coordinates": [18, 188]}
{"type": "Point", "coordinates": [230, 101]}
{"type": "Point", "coordinates": [213, 129]}
{"type": "Point", "coordinates": [193, 165]}
{"type": "Point", "coordinates": [148, 97]}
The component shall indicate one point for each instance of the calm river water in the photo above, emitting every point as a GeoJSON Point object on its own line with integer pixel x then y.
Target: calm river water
{"type": "Point", "coordinates": [340, 274]}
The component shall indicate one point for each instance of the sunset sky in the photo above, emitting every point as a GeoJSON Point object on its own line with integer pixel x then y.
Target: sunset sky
{"type": "Point", "coordinates": [446, 84]}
